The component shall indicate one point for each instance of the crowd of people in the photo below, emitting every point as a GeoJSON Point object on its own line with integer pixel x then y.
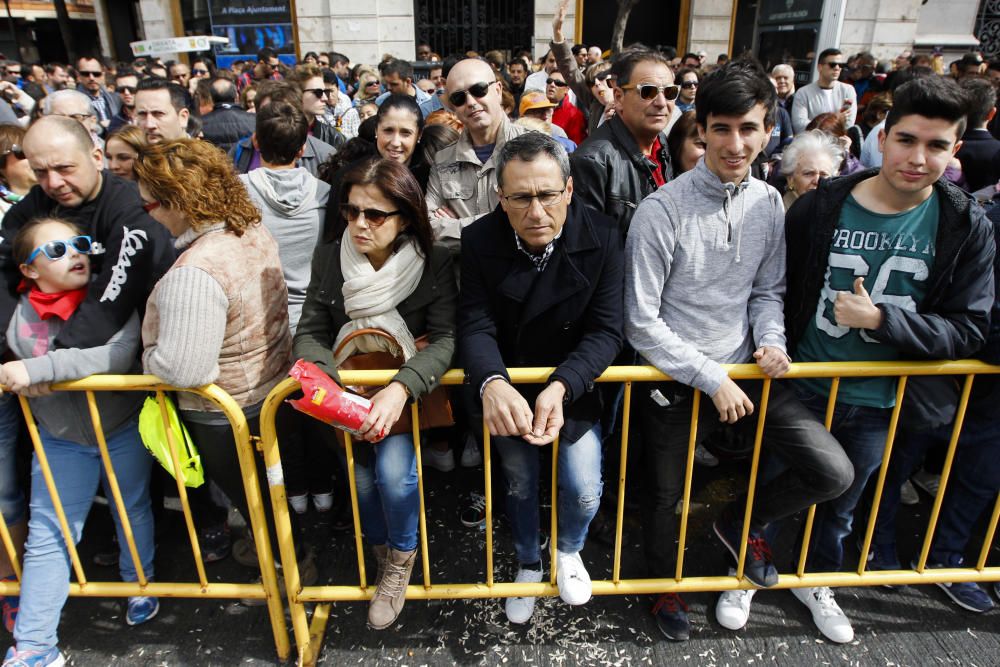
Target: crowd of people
{"type": "Point", "coordinates": [214, 225]}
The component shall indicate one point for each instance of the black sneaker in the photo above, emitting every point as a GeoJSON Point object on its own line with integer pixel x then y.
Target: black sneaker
{"type": "Point", "coordinates": [474, 514]}
{"type": "Point", "coordinates": [966, 594]}
{"type": "Point", "coordinates": [758, 568]}
{"type": "Point", "coordinates": [671, 617]}
{"type": "Point", "coordinates": [215, 543]}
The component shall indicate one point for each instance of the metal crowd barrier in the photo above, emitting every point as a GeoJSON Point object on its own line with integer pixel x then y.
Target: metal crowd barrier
{"type": "Point", "coordinates": [202, 589]}
{"type": "Point", "coordinates": [309, 634]}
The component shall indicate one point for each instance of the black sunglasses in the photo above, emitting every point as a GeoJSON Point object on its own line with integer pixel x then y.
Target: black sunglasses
{"type": "Point", "coordinates": [199, 72]}
{"type": "Point", "coordinates": [835, 64]}
{"type": "Point", "coordinates": [15, 150]}
{"type": "Point", "coordinates": [125, 89]}
{"type": "Point", "coordinates": [373, 216]}
{"type": "Point", "coordinates": [557, 82]}
{"type": "Point", "coordinates": [649, 91]}
{"type": "Point", "coordinates": [318, 92]}
{"type": "Point", "coordinates": [92, 75]}
{"type": "Point", "coordinates": [477, 90]}
{"type": "Point", "coordinates": [689, 84]}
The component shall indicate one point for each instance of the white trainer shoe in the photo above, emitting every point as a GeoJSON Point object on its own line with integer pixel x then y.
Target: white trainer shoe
{"type": "Point", "coordinates": [572, 579]}
{"type": "Point", "coordinates": [733, 609]}
{"type": "Point", "coordinates": [443, 461]}
{"type": "Point", "coordinates": [826, 613]}
{"type": "Point", "coordinates": [519, 610]}
{"type": "Point", "coordinates": [299, 503]}
{"type": "Point", "coordinates": [471, 456]}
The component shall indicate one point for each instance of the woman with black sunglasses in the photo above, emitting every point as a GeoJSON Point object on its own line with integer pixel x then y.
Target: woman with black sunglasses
{"type": "Point", "coordinates": [16, 176]}
{"type": "Point", "coordinates": [382, 271]}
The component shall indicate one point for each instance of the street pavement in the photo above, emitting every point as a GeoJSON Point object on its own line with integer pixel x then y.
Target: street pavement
{"type": "Point", "coordinates": [913, 627]}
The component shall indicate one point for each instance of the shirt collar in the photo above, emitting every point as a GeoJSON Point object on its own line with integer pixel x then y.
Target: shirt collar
{"type": "Point", "coordinates": [541, 259]}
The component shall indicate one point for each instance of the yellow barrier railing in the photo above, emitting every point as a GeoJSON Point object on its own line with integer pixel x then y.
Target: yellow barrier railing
{"type": "Point", "coordinates": [267, 589]}
{"type": "Point", "coordinates": [309, 635]}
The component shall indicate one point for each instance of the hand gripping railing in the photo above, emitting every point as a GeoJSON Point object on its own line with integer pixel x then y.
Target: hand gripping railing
{"type": "Point", "coordinates": [309, 636]}
{"type": "Point", "coordinates": [267, 589]}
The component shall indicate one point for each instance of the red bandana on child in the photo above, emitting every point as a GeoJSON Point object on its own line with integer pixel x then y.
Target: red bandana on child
{"type": "Point", "coordinates": [58, 304]}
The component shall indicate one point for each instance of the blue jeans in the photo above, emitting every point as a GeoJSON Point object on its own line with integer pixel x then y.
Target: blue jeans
{"type": "Point", "coordinates": [12, 504]}
{"type": "Point", "coordinates": [388, 493]}
{"type": "Point", "coordinates": [579, 491]}
{"type": "Point", "coordinates": [861, 431]}
{"type": "Point", "coordinates": [77, 469]}
{"type": "Point", "coordinates": [972, 485]}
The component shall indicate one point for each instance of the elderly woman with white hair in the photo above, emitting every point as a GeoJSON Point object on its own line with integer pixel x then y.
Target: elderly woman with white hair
{"type": "Point", "coordinates": [810, 157]}
{"type": "Point", "coordinates": [784, 84]}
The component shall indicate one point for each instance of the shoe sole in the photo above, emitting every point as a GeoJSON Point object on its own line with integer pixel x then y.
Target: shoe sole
{"type": "Point", "coordinates": [736, 557]}
{"type": "Point", "coordinates": [963, 605]}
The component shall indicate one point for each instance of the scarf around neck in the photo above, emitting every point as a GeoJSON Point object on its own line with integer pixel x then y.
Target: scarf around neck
{"type": "Point", "coordinates": [56, 304]}
{"type": "Point", "coordinates": [371, 297]}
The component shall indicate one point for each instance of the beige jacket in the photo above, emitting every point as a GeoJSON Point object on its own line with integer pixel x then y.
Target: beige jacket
{"type": "Point", "coordinates": [461, 182]}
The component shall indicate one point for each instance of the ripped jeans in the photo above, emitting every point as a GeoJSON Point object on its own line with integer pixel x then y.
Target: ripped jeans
{"type": "Point", "coordinates": [579, 491]}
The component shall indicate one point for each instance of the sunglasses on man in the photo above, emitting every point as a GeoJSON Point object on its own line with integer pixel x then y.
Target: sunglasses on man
{"type": "Point", "coordinates": [477, 90]}
{"type": "Point", "coordinates": [649, 91]}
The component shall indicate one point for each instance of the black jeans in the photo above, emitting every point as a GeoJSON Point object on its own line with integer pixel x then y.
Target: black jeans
{"type": "Point", "coordinates": [217, 448]}
{"type": "Point", "coordinates": [818, 469]}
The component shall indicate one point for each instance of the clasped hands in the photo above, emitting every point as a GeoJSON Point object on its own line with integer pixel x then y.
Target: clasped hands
{"type": "Point", "coordinates": [506, 413]}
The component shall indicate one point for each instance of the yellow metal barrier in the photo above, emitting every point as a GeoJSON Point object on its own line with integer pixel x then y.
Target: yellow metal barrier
{"type": "Point", "coordinates": [309, 636]}
{"type": "Point", "coordinates": [267, 589]}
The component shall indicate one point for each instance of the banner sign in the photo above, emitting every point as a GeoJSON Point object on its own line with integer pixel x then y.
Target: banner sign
{"type": "Point", "coordinates": [251, 25]}
{"type": "Point", "coordinates": [154, 47]}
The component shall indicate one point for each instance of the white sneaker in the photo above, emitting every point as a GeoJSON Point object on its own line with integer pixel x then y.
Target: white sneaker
{"type": "Point", "coordinates": [519, 610]}
{"type": "Point", "coordinates": [299, 503]}
{"type": "Point", "coordinates": [704, 457]}
{"type": "Point", "coordinates": [927, 481]}
{"type": "Point", "coordinates": [323, 501]}
{"type": "Point", "coordinates": [443, 461]}
{"type": "Point", "coordinates": [572, 579]}
{"type": "Point", "coordinates": [733, 609]}
{"type": "Point", "coordinates": [827, 615]}
{"type": "Point", "coordinates": [471, 456]}
{"type": "Point", "coordinates": [908, 494]}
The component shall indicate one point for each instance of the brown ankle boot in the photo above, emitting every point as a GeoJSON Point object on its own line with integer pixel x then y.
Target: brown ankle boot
{"type": "Point", "coordinates": [381, 552]}
{"type": "Point", "coordinates": [388, 602]}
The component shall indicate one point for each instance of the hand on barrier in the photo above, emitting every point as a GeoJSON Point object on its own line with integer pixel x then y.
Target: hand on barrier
{"type": "Point", "coordinates": [772, 361]}
{"type": "Point", "coordinates": [857, 310]}
{"type": "Point", "coordinates": [505, 411]}
{"type": "Point", "coordinates": [14, 376]}
{"type": "Point", "coordinates": [731, 402]}
{"type": "Point", "coordinates": [548, 415]}
{"type": "Point", "coordinates": [387, 406]}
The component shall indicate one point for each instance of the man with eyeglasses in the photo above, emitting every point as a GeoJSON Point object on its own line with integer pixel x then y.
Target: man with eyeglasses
{"type": "Point", "coordinates": [626, 159]}
{"type": "Point", "coordinates": [542, 286]}
{"type": "Point", "coordinates": [126, 83]}
{"type": "Point", "coordinates": [90, 73]}
{"type": "Point", "coordinates": [462, 183]}
{"type": "Point", "coordinates": [73, 104]}
{"type": "Point", "coordinates": [131, 251]}
{"type": "Point", "coordinates": [566, 115]}
{"type": "Point", "coordinates": [310, 79]}
{"type": "Point", "coordinates": [825, 95]}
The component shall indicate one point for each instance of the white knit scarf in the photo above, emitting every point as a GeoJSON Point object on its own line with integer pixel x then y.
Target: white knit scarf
{"type": "Point", "coordinates": [371, 297]}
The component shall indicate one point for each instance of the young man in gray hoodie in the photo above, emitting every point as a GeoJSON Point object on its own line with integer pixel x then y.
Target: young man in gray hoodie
{"type": "Point", "coordinates": [704, 285]}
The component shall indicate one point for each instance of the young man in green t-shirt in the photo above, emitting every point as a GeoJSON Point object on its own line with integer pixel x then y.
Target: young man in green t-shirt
{"type": "Point", "coordinates": [894, 264]}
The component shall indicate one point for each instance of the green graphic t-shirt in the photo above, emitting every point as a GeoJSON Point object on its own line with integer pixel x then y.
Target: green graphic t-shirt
{"type": "Point", "coordinates": [894, 254]}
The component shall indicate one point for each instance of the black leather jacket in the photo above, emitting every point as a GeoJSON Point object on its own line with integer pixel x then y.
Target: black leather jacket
{"type": "Point", "coordinates": [226, 124]}
{"type": "Point", "coordinates": [610, 173]}
{"type": "Point", "coordinates": [328, 134]}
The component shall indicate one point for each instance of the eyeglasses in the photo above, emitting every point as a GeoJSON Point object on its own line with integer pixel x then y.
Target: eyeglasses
{"type": "Point", "coordinates": [15, 150]}
{"type": "Point", "coordinates": [649, 91]}
{"type": "Point", "coordinates": [689, 84]}
{"type": "Point", "coordinates": [200, 72]}
{"type": "Point", "coordinates": [89, 74]}
{"type": "Point", "coordinates": [477, 90]}
{"type": "Point", "coordinates": [150, 206]}
{"type": "Point", "coordinates": [835, 65]}
{"type": "Point", "coordinates": [557, 82]}
{"type": "Point", "coordinates": [324, 63]}
{"type": "Point", "coordinates": [318, 92]}
{"type": "Point", "coordinates": [373, 216]}
{"type": "Point", "coordinates": [546, 199]}
{"type": "Point", "coordinates": [125, 89]}
{"type": "Point", "coordinates": [371, 83]}
{"type": "Point", "coordinates": [78, 117]}
{"type": "Point", "coordinates": [58, 249]}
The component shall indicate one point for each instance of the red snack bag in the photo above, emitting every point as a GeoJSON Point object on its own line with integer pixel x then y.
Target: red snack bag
{"type": "Point", "coordinates": [324, 399]}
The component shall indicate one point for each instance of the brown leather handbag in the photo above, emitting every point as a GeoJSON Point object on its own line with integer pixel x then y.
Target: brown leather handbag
{"type": "Point", "coordinates": [435, 407]}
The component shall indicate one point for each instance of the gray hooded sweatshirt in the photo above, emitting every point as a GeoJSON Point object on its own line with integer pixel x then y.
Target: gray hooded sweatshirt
{"type": "Point", "coordinates": [65, 414]}
{"type": "Point", "coordinates": [705, 276]}
{"type": "Point", "coordinates": [292, 203]}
